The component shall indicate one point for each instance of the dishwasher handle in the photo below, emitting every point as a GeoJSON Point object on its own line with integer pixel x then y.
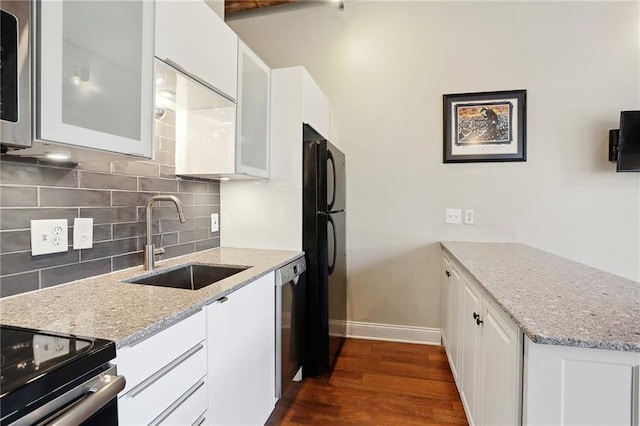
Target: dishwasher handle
{"type": "Point", "coordinates": [98, 397]}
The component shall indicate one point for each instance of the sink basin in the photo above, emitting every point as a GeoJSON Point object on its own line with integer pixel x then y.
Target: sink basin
{"type": "Point", "coordinates": [188, 277]}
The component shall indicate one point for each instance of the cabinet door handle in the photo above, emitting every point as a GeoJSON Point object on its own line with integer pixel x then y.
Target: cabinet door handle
{"type": "Point", "coordinates": [476, 316]}
{"type": "Point", "coordinates": [448, 273]}
{"type": "Point", "coordinates": [479, 321]}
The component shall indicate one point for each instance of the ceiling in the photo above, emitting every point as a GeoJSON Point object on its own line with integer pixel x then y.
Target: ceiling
{"type": "Point", "coordinates": [234, 7]}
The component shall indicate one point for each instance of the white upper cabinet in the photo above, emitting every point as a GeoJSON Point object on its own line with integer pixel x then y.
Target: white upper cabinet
{"type": "Point", "coordinates": [316, 109]}
{"type": "Point", "coordinates": [191, 37]}
{"type": "Point", "coordinates": [94, 78]}
{"type": "Point", "coordinates": [254, 87]}
{"type": "Point", "coordinates": [217, 139]}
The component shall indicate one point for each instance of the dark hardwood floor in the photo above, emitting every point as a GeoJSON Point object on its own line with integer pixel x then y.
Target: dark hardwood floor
{"type": "Point", "coordinates": [376, 383]}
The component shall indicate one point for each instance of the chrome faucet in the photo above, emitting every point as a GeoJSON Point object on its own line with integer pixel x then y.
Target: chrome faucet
{"type": "Point", "coordinates": [150, 251]}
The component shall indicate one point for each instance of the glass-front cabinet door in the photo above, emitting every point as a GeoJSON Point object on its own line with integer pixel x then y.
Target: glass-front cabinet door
{"type": "Point", "coordinates": [254, 83]}
{"type": "Point", "coordinates": [95, 74]}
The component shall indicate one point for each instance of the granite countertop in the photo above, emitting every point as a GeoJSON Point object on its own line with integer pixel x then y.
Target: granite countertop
{"type": "Point", "coordinates": [552, 299]}
{"type": "Point", "coordinates": [105, 307]}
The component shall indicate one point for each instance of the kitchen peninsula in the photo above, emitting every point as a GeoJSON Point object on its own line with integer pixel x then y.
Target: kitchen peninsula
{"type": "Point", "coordinates": [564, 335]}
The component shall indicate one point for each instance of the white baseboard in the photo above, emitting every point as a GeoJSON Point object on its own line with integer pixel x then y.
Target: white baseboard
{"type": "Point", "coordinates": [393, 333]}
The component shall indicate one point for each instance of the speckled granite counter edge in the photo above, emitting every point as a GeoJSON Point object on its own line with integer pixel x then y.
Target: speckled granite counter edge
{"type": "Point", "coordinates": [534, 337]}
{"type": "Point", "coordinates": [179, 316]}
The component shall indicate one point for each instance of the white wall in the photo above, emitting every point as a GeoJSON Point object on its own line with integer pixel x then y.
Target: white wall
{"type": "Point", "coordinates": [385, 66]}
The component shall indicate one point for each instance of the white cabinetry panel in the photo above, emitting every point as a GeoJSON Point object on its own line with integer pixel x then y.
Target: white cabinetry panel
{"type": "Point", "coordinates": [149, 403]}
{"type": "Point", "coordinates": [315, 107]}
{"type": "Point", "coordinates": [192, 37]}
{"type": "Point", "coordinates": [578, 386]}
{"type": "Point", "coordinates": [165, 346]}
{"type": "Point", "coordinates": [279, 200]}
{"type": "Point", "coordinates": [94, 92]}
{"type": "Point", "coordinates": [166, 374]}
{"type": "Point", "coordinates": [254, 88]}
{"type": "Point", "coordinates": [445, 302]}
{"type": "Point", "coordinates": [500, 392]}
{"type": "Point", "coordinates": [241, 346]}
{"type": "Point", "coordinates": [484, 349]}
{"type": "Point", "coordinates": [470, 344]}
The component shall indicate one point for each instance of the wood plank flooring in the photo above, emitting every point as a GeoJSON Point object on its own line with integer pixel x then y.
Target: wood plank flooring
{"type": "Point", "coordinates": [376, 383]}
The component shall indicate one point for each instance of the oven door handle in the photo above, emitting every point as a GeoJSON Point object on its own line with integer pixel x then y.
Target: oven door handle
{"type": "Point", "coordinates": [98, 397]}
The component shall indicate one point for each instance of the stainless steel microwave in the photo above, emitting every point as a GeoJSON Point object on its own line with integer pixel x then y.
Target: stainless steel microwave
{"type": "Point", "coordinates": [15, 74]}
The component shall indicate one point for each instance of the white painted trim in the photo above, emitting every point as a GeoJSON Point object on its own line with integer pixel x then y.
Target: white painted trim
{"type": "Point", "coordinates": [393, 333]}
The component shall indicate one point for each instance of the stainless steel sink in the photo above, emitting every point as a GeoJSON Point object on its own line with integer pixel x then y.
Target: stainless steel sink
{"type": "Point", "coordinates": [188, 277]}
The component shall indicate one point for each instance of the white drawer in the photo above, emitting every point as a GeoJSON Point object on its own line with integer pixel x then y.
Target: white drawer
{"type": "Point", "coordinates": [144, 403]}
{"type": "Point", "coordinates": [146, 357]}
{"type": "Point", "coordinates": [189, 410]}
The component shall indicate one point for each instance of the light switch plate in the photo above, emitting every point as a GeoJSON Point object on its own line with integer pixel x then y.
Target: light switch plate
{"type": "Point", "coordinates": [215, 225]}
{"type": "Point", "coordinates": [453, 216]}
{"type": "Point", "coordinates": [82, 233]}
{"type": "Point", "coordinates": [49, 236]}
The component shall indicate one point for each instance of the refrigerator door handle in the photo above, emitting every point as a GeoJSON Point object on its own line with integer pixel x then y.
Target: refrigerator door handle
{"type": "Point", "coordinates": [332, 264]}
{"type": "Point", "coordinates": [333, 173]}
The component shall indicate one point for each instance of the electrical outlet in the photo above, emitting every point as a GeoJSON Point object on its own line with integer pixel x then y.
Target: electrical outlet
{"type": "Point", "coordinates": [469, 217]}
{"type": "Point", "coordinates": [453, 216]}
{"type": "Point", "coordinates": [215, 226]}
{"type": "Point", "coordinates": [82, 233]}
{"type": "Point", "coordinates": [49, 236]}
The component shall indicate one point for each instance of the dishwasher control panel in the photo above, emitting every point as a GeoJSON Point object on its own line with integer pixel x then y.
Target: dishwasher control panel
{"type": "Point", "coordinates": [290, 271]}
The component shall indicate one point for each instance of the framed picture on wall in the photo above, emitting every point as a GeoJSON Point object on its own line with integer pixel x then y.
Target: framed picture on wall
{"type": "Point", "coordinates": [485, 126]}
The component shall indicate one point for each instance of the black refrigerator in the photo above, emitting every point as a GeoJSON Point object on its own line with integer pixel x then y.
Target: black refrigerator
{"type": "Point", "coordinates": [324, 243]}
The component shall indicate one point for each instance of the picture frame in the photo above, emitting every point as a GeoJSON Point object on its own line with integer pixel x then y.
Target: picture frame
{"type": "Point", "coordinates": [485, 127]}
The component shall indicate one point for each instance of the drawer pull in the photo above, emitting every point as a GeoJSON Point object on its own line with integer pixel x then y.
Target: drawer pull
{"type": "Point", "coordinates": [164, 370]}
{"type": "Point", "coordinates": [200, 419]}
{"type": "Point", "coordinates": [178, 402]}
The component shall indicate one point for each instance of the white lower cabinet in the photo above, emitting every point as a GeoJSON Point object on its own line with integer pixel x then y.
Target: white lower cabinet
{"type": "Point", "coordinates": [484, 348]}
{"type": "Point", "coordinates": [215, 367]}
{"type": "Point", "coordinates": [451, 331]}
{"type": "Point", "coordinates": [241, 355]}
{"type": "Point", "coordinates": [499, 397]}
{"type": "Point", "coordinates": [580, 386]}
{"type": "Point", "coordinates": [166, 376]}
{"type": "Point", "coordinates": [470, 348]}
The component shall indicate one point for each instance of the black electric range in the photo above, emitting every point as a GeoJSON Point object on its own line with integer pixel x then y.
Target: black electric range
{"type": "Point", "coordinates": [38, 367]}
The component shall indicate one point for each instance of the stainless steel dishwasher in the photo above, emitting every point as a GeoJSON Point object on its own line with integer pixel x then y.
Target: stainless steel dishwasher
{"type": "Point", "coordinates": [288, 324]}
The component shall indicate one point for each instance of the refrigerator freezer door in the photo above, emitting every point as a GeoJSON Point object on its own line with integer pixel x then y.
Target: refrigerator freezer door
{"type": "Point", "coordinates": [337, 283]}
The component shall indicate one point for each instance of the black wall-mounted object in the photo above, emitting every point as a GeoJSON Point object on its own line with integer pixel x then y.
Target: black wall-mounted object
{"type": "Point", "coordinates": [614, 136]}
{"type": "Point", "coordinates": [624, 144]}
